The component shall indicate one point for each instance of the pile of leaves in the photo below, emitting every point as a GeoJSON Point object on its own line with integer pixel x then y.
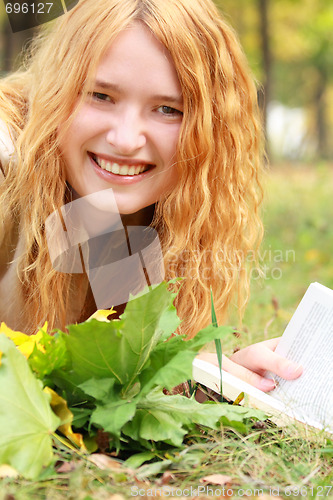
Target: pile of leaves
{"type": "Point", "coordinates": [105, 378]}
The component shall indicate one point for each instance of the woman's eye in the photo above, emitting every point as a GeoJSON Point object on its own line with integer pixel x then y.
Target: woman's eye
{"type": "Point", "coordinates": [99, 96]}
{"type": "Point", "coordinates": [168, 111]}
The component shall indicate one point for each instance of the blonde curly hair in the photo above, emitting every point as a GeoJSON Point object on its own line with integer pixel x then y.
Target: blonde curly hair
{"type": "Point", "coordinates": [210, 222]}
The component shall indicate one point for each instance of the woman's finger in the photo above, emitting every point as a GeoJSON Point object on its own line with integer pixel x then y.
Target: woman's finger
{"type": "Point", "coordinates": [262, 383]}
{"type": "Point", "coordinates": [261, 357]}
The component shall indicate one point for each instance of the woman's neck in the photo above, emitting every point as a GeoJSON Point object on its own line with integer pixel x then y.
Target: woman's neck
{"type": "Point", "coordinates": [143, 217]}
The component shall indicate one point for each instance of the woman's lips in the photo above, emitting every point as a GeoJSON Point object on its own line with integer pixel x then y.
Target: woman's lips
{"type": "Point", "coordinates": [126, 173]}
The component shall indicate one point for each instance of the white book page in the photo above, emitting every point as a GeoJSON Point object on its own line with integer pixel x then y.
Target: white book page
{"type": "Point", "coordinates": [208, 375]}
{"type": "Point", "coordinates": [308, 340]}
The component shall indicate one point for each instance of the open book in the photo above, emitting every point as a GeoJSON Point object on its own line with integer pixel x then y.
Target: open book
{"type": "Point", "coordinates": [308, 340]}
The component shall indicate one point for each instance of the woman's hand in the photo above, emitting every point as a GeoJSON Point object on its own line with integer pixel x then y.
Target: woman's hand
{"type": "Point", "coordinates": [251, 363]}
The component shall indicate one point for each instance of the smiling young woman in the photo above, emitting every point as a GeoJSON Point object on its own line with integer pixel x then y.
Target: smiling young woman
{"type": "Point", "coordinates": [125, 134]}
{"type": "Point", "coordinates": [154, 99]}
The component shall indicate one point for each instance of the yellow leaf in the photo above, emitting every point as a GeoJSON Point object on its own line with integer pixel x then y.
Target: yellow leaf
{"type": "Point", "coordinates": [25, 343]}
{"type": "Point", "coordinates": [60, 408]}
{"type": "Point", "coordinates": [239, 399]}
{"type": "Point", "coordinates": [17, 337]}
{"type": "Point", "coordinates": [44, 328]}
{"type": "Point", "coordinates": [102, 314]}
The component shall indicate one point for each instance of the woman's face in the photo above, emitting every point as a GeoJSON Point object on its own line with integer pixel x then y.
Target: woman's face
{"type": "Point", "coordinates": [125, 134]}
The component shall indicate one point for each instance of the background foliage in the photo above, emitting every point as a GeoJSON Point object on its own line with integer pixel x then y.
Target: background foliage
{"type": "Point", "coordinates": [289, 44]}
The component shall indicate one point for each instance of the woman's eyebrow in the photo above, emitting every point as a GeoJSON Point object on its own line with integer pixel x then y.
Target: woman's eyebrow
{"type": "Point", "coordinates": [176, 99]}
{"type": "Point", "coordinates": [107, 85]}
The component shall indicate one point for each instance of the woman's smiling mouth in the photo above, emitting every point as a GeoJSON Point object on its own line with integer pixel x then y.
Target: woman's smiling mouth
{"type": "Point", "coordinates": [123, 168]}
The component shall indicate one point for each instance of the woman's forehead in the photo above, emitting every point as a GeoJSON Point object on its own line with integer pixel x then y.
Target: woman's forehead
{"type": "Point", "coordinates": [137, 54]}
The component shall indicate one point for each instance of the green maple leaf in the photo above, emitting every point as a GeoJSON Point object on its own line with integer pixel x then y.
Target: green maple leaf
{"type": "Point", "coordinates": [52, 357]}
{"type": "Point", "coordinates": [169, 418]}
{"type": "Point", "coordinates": [112, 411]}
{"type": "Point", "coordinates": [120, 349]}
{"type": "Point", "coordinates": [171, 361]}
{"type": "Point", "coordinates": [167, 371]}
{"type": "Point", "coordinates": [26, 418]}
{"type": "Point", "coordinates": [113, 415]}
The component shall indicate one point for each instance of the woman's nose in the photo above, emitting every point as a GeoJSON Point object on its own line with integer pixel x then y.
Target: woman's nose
{"type": "Point", "coordinates": [126, 133]}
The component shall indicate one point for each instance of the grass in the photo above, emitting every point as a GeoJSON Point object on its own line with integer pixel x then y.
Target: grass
{"type": "Point", "coordinates": [296, 251]}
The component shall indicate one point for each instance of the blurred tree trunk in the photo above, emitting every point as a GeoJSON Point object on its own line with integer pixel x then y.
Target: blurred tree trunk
{"type": "Point", "coordinates": [321, 118]}
{"type": "Point", "coordinates": [266, 55]}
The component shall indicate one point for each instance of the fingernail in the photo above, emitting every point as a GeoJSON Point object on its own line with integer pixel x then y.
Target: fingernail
{"type": "Point", "coordinates": [267, 384]}
{"type": "Point", "coordinates": [294, 369]}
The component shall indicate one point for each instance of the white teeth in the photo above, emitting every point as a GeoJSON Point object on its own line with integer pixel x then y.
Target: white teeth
{"type": "Point", "coordinates": [124, 170]}
{"type": "Point", "coordinates": [115, 168]}
{"type": "Point", "coordinates": [119, 169]}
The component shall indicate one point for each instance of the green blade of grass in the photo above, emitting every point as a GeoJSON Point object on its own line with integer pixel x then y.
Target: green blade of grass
{"type": "Point", "coordinates": [218, 344]}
